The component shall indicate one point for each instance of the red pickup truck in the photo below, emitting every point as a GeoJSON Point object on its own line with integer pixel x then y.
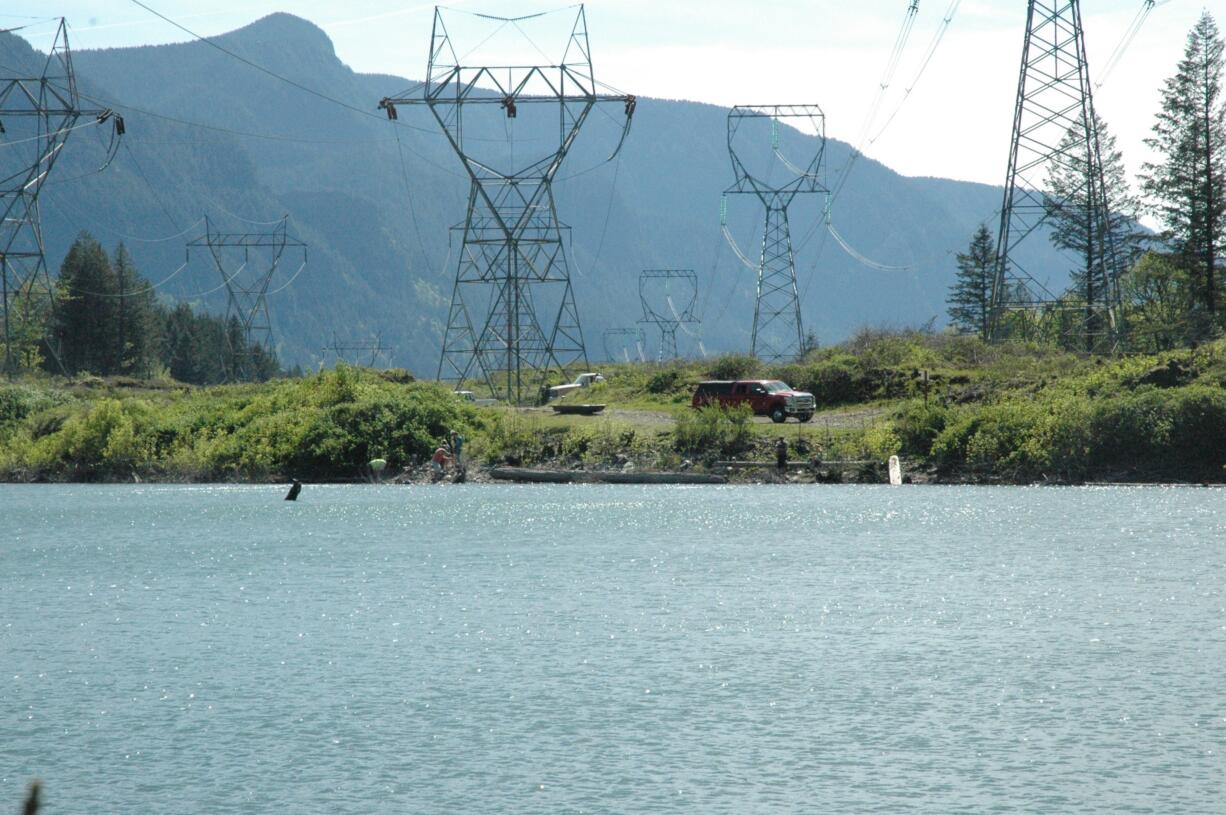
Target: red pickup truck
{"type": "Point", "coordinates": [767, 397]}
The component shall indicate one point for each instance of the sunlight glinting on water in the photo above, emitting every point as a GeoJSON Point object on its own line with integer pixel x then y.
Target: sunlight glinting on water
{"type": "Point", "coordinates": [613, 649]}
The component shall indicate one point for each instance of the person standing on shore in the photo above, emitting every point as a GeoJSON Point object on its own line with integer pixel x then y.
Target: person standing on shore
{"type": "Point", "coordinates": [437, 462]}
{"type": "Point", "coordinates": [457, 448]}
{"type": "Point", "coordinates": [781, 455]}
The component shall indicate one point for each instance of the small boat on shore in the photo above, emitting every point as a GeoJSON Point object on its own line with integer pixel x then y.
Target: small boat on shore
{"type": "Point", "coordinates": [531, 476]}
{"type": "Point", "coordinates": [578, 409]}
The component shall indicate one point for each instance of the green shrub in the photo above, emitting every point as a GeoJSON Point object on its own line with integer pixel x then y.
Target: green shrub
{"type": "Point", "coordinates": [507, 438]}
{"type": "Point", "coordinates": [664, 381]}
{"type": "Point", "coordinates": [839, 380]}
{"type": "Point", "coordinates": [601, 444]}
{"type": "Point", "coordinates": [918, 426]}
{"type": "Point", "coordinates": [19, 402]}
{"type": "Point", "coordinates": [881, 442]}
{"type": "Point", "coordinates": [106, 439]}
{"type": "Point", "coordinates": [734, 366]}
{"type": "Point", "coordinates": [1198, 426]}
{"type": "Point", "coordinates": [1176, 430]}
{"type": "Point", "coordinates": [714, 430]}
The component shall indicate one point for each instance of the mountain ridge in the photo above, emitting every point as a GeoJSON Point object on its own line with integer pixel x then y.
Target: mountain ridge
{"type": "Point", "coordinates": [377, 204]}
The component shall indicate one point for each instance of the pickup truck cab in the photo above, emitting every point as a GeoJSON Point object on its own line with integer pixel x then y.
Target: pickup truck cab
{"type": "Point", "coordinates": [767, 397]}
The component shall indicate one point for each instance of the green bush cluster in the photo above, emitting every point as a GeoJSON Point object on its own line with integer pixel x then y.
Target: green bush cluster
{"type": "Point", "coordinates": [665, 381]}
{"type": "Point", "coordinates": [734, 366]}
{"type": "Point", "coordinates": [508, 438]}
{"type": "Point", "coordinates": [19, 402]}
{"type": "Point", "coordinates": [1177, 432]}
{"type": "Point", "coordinates": [603, 444]}
{"type": "Point", "coordinates": [1007, 412]}
{"type": "Point", "coordinates": [325, 426]}
{"type": "Point", "coordinates": [714, 430]}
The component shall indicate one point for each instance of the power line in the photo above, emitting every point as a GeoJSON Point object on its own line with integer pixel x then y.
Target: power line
{"type": "Point", "coordinates": [58, 203]}
{"type": "Point", "coordinates": [279, 77]}
{"type": "Point", "coordinates": [287, 283]}
{"type": "Point", "coordinates": [122, 295]}
{"type": "Point", "coordinates": [932, 49]}
{"type": "Point", "coordinates": [887, 78]}
{"type": "Point", "coordinates": [257, 66]}
{"type": "Point", "coordinates": [99, 99]}
{"type": "Point", "coordinates": [1130, 34]}
{"type": "Point", "coordinates": [152, 189]}
{"type": "Point", "coordinates": [607, 214]}
{"type": "Point", "coordinates": [404, 175]}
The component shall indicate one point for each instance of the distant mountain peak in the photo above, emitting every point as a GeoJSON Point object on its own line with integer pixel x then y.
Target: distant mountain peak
{"type": "Point", "coordinates": [285, 30]}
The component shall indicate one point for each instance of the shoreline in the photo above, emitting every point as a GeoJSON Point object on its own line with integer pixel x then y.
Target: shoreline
{"type": "Point", "coordinates": [979, 415]}
{"type": "Point", "coordinates": [482, 475]}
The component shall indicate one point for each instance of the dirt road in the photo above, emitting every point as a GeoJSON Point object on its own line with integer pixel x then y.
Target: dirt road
{"type": "Point", "coordinates": [663, 420]}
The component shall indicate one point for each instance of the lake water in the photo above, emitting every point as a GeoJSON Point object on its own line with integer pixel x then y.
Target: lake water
{"type": "Point", "coordinates": [599, 649]}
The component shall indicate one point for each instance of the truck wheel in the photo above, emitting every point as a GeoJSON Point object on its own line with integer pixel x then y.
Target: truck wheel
{"type": "Point", "coordinates": [779, 415]}
{"type": "Point", "coordinates": [804, 417]}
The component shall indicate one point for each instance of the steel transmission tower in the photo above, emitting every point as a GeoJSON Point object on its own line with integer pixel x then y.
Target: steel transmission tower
{"type": "Point", "coordinates": [512, 262]}
{"type": "Point", "coordinates": [246, 284]}
{"type": "Point", "coordinates": [632, 335]}
{"type": "Point", "coordinates": [342, 350]}
{"type": "Point", "coordinates": [37, 114]}
{"type": "Point", "coordinates": [1054, 127]}
{"type": "Point", "coordinates": [661, 310]}
{"type": "Point", "coordinates": [777, 331]}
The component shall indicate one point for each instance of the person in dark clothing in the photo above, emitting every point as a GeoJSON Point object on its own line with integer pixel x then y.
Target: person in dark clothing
{"type": "Point", "coordinates": [781, 455]}
{"type": "Point", "coordinates": [294, 489]}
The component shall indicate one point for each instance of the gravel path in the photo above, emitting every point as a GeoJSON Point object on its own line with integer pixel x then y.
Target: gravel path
{"type": "Point", "coordinates": [663, 420]}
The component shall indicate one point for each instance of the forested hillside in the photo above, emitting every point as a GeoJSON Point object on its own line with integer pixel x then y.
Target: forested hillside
{"type": "Point", "coordinates": [242, 147]}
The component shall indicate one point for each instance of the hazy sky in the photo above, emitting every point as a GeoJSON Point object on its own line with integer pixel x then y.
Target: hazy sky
{"type": "Point", "coordinates": [955, 124]}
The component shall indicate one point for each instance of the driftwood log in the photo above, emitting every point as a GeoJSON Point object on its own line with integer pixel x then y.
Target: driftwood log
{"type": "Point", "coordinates": [524, 474]}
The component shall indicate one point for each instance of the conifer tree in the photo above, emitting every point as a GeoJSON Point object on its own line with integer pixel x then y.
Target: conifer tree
{"type": "Point", "coordinates": [971, 294]}
{"type": "Point", "coordinates": [139, 326]}
{"type": "Point", "coordinates": [1188, 183]}
{"type": "Point", "coordinates": [1075, 202]}
{"type": "Point", "coordinates": [86, 318]}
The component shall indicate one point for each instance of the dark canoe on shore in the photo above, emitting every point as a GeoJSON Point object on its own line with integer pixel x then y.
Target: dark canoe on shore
{"type": "Point", "coordinates": [523, 474]}
{"type": "Point", "coordinates": [578, 410]}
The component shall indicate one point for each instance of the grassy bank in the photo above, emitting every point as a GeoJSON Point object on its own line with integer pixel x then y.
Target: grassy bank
{"type": "Point", "coordinates": [956, 409]}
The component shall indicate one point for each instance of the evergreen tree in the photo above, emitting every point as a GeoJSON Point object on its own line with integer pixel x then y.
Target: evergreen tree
{"type": "Point", "coordinates": [193, 347]}
{"type": "Point", "coordinates": [138, 323]}
{"type": "Point", "coordinates": [179, 345]}
{"type": "Point", "coordinates": [86, 320]}
{"type": "Point", "coordinates": [238, 357]}
{"type": "Point", "coordinates": [1189, 183]}
{"type": "Point", "coordinates": [971, 294]}
{"type": "Point", "coordinates": [110, 323]}
{"type": "Point", "coordinates": [1105, 248]}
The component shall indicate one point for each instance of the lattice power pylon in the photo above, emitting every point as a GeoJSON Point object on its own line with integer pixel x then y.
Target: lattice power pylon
{"type": "Point", "coordinates": [620, 339]}
{"type": "Point", "coordinates": [778, 334]}
{"type": "Point", "coordinates": [37, 114]}
{"type": "Point", "coordinates": [247, 262]}
{"type": "Point", "coordinates": [1054, 127]}
{"type": "Point", "coordinates": [513, 269]}
{"type": "Point", "coordinates": [353, 349]}
{"type": "Point", "coordinates": [660, 290]}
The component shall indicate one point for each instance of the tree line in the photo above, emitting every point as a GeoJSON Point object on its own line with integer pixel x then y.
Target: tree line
{"type": "Point", "coordinates": [106, 319]}
{"type": "Point", "coordinates": [1170, 282]}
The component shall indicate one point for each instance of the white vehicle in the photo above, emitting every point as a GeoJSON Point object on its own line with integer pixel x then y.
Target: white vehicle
{"type": "Point", "coordinates": [581, 381]}
{"type": "Point", "coordinates": [471, 398]}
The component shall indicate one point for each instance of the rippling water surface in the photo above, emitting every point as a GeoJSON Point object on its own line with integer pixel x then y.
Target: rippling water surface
{"type": "Point", "coordinates": [488, 649]}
